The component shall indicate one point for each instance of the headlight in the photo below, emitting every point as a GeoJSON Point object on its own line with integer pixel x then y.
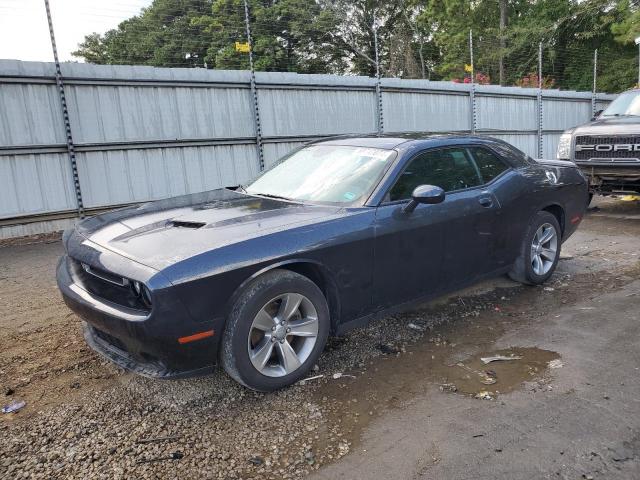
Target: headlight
{"type": "Point", "coordinates": [142, 292]}
{"type": "Point", "coordinates": [564, 147]}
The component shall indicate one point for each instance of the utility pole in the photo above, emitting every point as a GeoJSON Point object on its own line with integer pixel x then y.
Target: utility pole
{"type": "Point", "coordinates": [503, 43]}
{"type": "Point", "coordinates": [254, 91]}
{"type": "Point", "coordinates": [65, 115]}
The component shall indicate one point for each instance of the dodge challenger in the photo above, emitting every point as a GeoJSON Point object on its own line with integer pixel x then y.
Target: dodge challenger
{"type": "Point", "coordinates": [255, 278]}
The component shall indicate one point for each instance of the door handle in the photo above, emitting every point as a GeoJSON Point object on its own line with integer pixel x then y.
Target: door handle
{"type": "Point", "coordinates": [486, 202]}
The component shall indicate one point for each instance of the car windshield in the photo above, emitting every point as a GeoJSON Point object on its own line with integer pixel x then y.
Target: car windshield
{"type": "Point", "coordinates": [324, 173]}
{"type": "Point", "coordinates": [627, 104]}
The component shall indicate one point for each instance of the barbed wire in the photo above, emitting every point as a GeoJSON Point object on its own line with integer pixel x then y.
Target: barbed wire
{"type": "Point", "coordinates": [195, 38]}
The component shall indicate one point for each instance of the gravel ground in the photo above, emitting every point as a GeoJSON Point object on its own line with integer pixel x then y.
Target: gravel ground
{"type": "Point", "coordinates": [86, 418]}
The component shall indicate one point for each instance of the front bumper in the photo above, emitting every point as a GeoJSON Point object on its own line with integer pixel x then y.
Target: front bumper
{"type": "Point", "coordinates": [612, 178]}
{"type": "Point", "coordinates": [143, 342]}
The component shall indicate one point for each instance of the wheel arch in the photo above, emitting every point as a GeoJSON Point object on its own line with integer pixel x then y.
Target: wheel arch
{"type": "Point", "coordinates": [558, 212]}
{"type": "Point", "coordinates": [311, 269]}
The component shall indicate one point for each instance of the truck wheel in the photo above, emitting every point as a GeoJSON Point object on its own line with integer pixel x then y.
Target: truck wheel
{"type": "Point", "coordinates": [540, 250]}
{"type": "Point", "coordinates": [589, 199]}
{"type": "Point", "coordinates": [276, 330]}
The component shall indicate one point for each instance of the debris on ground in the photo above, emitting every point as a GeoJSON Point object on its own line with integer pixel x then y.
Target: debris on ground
{"type": "Point", "coordinates": [556, 363]}
{"type": "Point", "coordinates": [500, 358]}
{"type": "Point", "coordinates": [341, 375]}
{"type": "Point", "coordinates": [309, 457]}
{"type": "Point", "coordinates": [484, 395]}
{"type": "Point", "coordinates": [448, 387]}
{"type": "Point", "coordinates": [315, 377]}
{"type": "Point", "coordinates": [257, 461]}
{"type": "Point", "coordinates": [9, 391]}
{"type": "Point", "coordinates": [14, 406]}
{"type": "Point", "coordinates": [484, 378]}
{"type": "Point", "coordinates": [387, 349]}
{"type": "Point", "coordinates": [173, 456]}
{"type": "Point", "coordinates": [418, 328]}
{"type": "Point", "coordinates": [549, 289]}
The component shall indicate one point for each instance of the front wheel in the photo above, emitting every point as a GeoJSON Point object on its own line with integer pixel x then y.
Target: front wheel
{"type": "Point", "coordinates": [540, 250]}
{"type": "Point", "coordinates": [276, 331]}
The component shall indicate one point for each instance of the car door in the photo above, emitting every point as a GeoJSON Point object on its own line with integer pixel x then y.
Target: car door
{"type": "Point", "coordinates": [502, 183]}
{"type": "Point", "coordinates": [436, 247]}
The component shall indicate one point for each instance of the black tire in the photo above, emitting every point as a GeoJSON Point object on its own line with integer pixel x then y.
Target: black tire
{"type": "Point", "coordinates": [589, 198]}
{"type": "Point", "coordinates": [234, 353]}
{"type": "Point", "coordinates": [523, 270]}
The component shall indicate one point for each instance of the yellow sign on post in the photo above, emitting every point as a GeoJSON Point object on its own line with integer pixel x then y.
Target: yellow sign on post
{"type": "Point", "coordinates": [468, 68]}
{"type": "Point", "coordinates": [242, 47]}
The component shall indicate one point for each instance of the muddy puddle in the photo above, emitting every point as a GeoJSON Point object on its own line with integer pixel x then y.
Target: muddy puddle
{"type": "Point", "coordinates": [448, 358]}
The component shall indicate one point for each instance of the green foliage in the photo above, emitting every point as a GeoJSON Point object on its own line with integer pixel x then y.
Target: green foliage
{"type": "Point", "coordinates": [416, 38]}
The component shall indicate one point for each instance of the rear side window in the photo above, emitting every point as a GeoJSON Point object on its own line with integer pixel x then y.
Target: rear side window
{"type": "Point", "coordinates": [490, 165]}
{"type": "Point", "coordinates": [449, 169]}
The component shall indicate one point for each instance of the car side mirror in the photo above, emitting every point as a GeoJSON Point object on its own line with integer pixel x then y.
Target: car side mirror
{"type": "Point", "coordinates": [427, 194]}
{"type": "Point", "coordinates": [596, 115]}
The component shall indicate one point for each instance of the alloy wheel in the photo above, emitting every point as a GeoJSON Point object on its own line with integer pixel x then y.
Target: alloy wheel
{"type": "Point", "coordinates": [544, 249]}
{"type": "Point", "coordinates": [283, 334]}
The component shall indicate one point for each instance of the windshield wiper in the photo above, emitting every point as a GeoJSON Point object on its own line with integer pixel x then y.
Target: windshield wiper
{"type": "Point", "coordinates": [268, 195]}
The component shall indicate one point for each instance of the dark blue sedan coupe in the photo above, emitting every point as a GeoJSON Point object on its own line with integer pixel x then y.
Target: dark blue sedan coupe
{"type": "Point", "coordinates": [256, 277]}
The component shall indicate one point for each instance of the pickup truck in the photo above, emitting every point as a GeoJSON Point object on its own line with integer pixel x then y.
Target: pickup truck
{"type": "Point", "coordinates": [607, 149]}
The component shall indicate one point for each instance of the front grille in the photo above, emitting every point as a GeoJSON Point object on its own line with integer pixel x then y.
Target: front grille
{"type": "Point", "coordinates": [110, 339]}
{"type": "Point", "coordinates": [616, 149]}
{"type": "Point", "coordinates": [106, 285]}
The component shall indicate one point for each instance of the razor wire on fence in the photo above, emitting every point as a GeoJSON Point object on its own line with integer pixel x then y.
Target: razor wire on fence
{"type": "Point", "coordinates": [396, 39]}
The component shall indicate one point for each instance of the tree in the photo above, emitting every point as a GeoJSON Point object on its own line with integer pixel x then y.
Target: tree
{"type": "Point", "coordinates": [416, 38]}
{"type": "Point", "coordinates": [161, 35]}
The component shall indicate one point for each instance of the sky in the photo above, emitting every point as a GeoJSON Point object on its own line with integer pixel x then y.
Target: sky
{"type": "Point", "coordinates": [24, 33]}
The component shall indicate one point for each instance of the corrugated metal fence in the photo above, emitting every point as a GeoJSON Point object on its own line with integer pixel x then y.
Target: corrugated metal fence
{"type": "Point", "coordinates": [145, 133]}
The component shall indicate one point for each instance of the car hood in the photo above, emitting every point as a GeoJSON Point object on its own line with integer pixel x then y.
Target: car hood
{"type": "Point", "coordinates": [162, 233]}
{"type": "Point", "coordinates": [610, 126]}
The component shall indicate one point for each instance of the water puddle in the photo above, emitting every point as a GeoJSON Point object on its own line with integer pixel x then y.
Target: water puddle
{"type": "Point", "coordinates": [449, 359]}
{"type": "Point", "coordinates": [489, 374]}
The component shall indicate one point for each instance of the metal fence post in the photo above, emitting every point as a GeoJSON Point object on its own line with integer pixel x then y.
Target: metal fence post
{"type": "Point", "coordinates": [595, 83]}
{"type": "Point", "coordinates": [65, 116]}
{"type": "Point", "coordinates": [472, 92]}
{"type": "Point", "coordinates": [378, 87]}
{"type": "Point", "coordinates": [540, 118]}
{"type": "Point", "coordinates": [254, 92]}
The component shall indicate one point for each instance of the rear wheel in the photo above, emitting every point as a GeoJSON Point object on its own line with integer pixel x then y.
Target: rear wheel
{"type": "Point", "coordinates": [276, 331]}
{"type": "Point", "coordinates": [540, 250]}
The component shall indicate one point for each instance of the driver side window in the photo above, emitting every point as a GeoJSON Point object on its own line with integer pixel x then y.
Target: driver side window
{"type": "Point", "coordinates": [449, 169]}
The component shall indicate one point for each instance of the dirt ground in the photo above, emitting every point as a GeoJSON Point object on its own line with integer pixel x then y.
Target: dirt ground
{"type": "Point", "coordinates": [406, 397]}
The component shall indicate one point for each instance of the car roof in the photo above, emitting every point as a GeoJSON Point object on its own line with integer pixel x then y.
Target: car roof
{"type": "Point", "coordinates": [393, 140]}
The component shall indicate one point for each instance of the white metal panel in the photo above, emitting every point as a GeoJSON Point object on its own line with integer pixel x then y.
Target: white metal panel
{"type": "Point", "coordinates": [295, 112]}
{"type": "Point", "coordinates": [30, 115]}
{"type": "Point", "coordinates": [425, 112]}
{"type": "Point", "coordinates": [123, 113]}
{"type": "Point", "coordinates": [506, 113]}
{"type": "Point", "coordinates": [563, 114]}
{"type": "Point", "coordinates": [31, 184]}
{"type": "Point", "coordinates": [116, 176]}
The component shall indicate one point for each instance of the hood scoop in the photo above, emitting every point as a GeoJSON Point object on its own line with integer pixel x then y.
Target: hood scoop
{"type": "Point", "coordinates": [186, 224]}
